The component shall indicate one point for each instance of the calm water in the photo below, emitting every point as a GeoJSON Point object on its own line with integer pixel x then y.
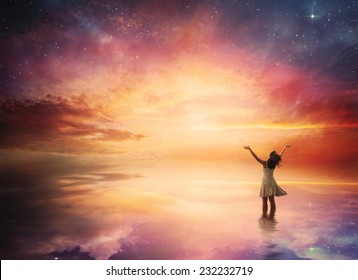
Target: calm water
{"type": "Point", "coordinates": [61, 209]}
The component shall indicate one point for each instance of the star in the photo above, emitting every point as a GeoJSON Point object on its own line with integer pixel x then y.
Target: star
{"type": "Point", "coordinates": [313, 16]}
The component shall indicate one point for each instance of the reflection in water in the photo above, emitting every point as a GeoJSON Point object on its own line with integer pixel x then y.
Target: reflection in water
{"type": "Point", "coordinates": [273, 246]}
{"type": "Point", "coordinates": [65, 208]}
{"type": "Point", "coordinates": [268, 227]}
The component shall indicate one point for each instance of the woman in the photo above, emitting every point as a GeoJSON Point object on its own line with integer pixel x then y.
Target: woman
{"type": "Point", "coordinates": [269, 187]}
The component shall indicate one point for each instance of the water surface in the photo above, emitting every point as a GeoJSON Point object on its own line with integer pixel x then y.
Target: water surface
{"type": "Point", "coordinates": [67, 209]}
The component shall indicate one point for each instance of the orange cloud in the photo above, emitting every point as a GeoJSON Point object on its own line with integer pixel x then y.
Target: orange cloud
{"type": "Point", "coordinates": [55, 124]}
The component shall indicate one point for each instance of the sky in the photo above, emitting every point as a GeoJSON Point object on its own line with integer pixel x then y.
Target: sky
{"type": "Point", "coordinates": [188, 80]}
{"type": "Point", "coordinates": [122, 125]}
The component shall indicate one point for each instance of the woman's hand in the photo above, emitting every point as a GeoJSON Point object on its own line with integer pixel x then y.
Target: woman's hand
{"type": "Point", "coordinates": [247, 147]}
{"type": "Point", "coordinates": [284, 149]}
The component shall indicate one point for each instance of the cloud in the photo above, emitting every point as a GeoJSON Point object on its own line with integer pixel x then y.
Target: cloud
{"type": "Point", "coordinates": [50, 122]}
{"type": "Point", "coordinates": [74, 254]}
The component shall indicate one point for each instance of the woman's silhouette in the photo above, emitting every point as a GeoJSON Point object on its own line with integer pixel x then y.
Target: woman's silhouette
{"type": "Point", "coordinates": [269, 187]}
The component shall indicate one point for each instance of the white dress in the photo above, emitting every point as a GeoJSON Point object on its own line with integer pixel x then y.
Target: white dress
{"type": "Point", "coordinates": [269, 186]}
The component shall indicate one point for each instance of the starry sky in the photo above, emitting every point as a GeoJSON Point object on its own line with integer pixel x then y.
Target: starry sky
{"type": "Point", "coordinates": [141, 108]}
{"type": "Point", "coordinates": [180, 79]}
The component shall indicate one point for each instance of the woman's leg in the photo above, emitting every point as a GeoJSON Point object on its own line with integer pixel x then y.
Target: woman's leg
{"type": "Point", "coordinates": [272, 204]}
{"type": "Point", "coordinates": [264, 205]}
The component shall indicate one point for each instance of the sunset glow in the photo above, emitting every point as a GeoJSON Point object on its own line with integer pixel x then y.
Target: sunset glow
{"type": "Point", "coordinates": [140, 104]}
{"type": "Point", "coordinates": [171, 84]}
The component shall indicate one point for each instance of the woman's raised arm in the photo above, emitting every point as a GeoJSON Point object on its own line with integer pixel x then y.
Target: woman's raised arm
{"type": "Point", "coordinates": [254, 155]}
{"type": "Point", "coordinates": [284, 149]}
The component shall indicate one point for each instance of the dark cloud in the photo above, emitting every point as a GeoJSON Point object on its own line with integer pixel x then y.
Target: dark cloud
{"type": "Point", "coordinates": [127, 252]}
{"type": "Point", "coordinates": [74, 254]}
{"type": "Point", "coordinates": [48, 122]}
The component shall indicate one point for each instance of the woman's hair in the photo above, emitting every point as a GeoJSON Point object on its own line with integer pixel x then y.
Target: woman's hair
{"type": "Point", "coordinates": [274, 160]}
